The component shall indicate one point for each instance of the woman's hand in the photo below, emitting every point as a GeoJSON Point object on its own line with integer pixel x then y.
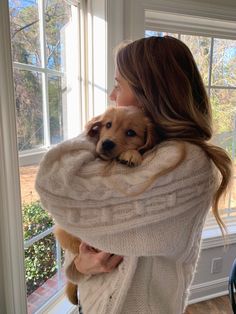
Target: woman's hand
{"type": "Point", "coordinates": [91, 261]}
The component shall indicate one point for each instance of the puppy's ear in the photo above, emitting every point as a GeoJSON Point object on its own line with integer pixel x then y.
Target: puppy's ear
{"type": "Point", "coordinates": [151, 136]}
{"type": "Point", "coordinates": [93, 127]}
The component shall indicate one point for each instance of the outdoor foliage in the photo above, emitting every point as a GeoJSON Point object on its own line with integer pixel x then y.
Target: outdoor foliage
{"type": "Point", "coordinates": [40, 258]}
{"type": "Point", "coordinates": [222, 72]}
{"type": "Point", "coordinates": [27, 49]}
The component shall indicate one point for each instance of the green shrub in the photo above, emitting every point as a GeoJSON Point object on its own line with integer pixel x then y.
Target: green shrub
{"type": "Point", "coordinates": [40, 258]}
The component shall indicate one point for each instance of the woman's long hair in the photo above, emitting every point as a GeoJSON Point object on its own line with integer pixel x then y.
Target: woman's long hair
{"type": "Point", "coordinates": [163, 75]}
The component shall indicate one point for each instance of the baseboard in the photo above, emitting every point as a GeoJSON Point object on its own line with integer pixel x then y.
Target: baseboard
{"type": "Point", "coordinates": [208, 290]}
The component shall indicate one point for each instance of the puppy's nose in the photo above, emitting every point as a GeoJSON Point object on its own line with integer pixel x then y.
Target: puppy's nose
{"type": "Point", "coordinates": [108, 145]}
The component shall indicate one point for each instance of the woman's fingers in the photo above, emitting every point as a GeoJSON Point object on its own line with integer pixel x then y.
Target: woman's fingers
{"type": "Point", "coordinates": [108, 261]}
{"type": "Point", "coordinates": [85, 248]}
{"type": "Point", "coordinates": [113, 262]}
{"type": "Point", "coordinates": [93, 261]}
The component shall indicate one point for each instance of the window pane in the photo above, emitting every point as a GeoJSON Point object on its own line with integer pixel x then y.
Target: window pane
{"type": "Point", "coordinates": [41, 272]}
{"type": "Point", "coordinates": [200, 48]}
{"type": "Point", "coordinates": [224, 122]}
{"type": "Point", "coordinates": [224, 62]}
{"type": "Point", "coordinates": [29, 112]}
{"type": "Point", "coordinates": [57, 16]}
{"type": "Point", "coordinates": [223, 103]}
{"type": "Point", "coordinates": [149, 33]}
{"type": "Point", "coordinates": [42, 256]}
{"type": "Point", "coordinates": [55, 108]}
{"type": "Point", "coordinates": [25, 31]}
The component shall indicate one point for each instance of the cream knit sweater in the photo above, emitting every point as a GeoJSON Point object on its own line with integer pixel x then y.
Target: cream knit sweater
{"type": "Point", "coordinates": [158, 232]}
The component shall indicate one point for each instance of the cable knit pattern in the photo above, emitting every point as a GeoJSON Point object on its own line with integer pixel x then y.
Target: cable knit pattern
{"type": "Point", "coordinates": [158, 231]}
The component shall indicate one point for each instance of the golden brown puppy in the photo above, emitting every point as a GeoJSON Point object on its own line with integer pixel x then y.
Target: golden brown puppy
{"type": "Point", "coordinates": [71, 243]}
{"type": "Point", "coordinates": [122, 134]}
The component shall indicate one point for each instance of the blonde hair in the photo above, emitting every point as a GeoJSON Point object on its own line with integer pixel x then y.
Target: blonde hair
{"type": "Point", "coordinates": [163, 75]}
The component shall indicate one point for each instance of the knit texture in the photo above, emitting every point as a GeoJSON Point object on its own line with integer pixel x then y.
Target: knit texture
{"type": "Point", "coordinates": [158, 231]}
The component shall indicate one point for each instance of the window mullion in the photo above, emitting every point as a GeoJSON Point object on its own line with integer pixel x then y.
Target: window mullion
{"type": "Point", "coordinates": [30, 67]}
{"type": "Point", "coordinates": [45, 100]}
{"type": "Point", "coordinates": [210, 67]}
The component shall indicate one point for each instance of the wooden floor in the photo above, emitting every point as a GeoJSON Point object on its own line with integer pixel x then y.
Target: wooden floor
{"type": "Point", "coordinates": [219, 305]}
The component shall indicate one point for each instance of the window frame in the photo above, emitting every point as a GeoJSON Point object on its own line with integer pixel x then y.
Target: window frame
{"type": "Point", "coordinates": [230, 220]}
{"type": "Point", "coordinates": [13, 288]}
{"type": "Point", "coordinates": [167, 22]}
{"type": "Point", "coordinates": [33, 156]}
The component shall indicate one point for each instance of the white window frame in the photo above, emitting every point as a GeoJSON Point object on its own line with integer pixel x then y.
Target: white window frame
{"type": "Point", "coordinates": [182, 25]}
{"type": "Point", "coordinates": [73, 96]}
{"type": "Point", "coordinates": [12, 286]}
{"type": "Point", "coordinates": [93, 95]}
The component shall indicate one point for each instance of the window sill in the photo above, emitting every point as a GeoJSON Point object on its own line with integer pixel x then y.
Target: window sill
{"type": "Point", "coordinates": [32, 157]}
{"type": "Point", "coordinates": [213, 237]}
{"type": "Point", "coordinates": [58, 304]}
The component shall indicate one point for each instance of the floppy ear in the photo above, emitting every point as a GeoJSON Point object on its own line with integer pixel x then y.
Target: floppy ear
{"type": "Point", "coordinates": [93, 127]}
{"type": "Point", "coordinates": [151, 136]}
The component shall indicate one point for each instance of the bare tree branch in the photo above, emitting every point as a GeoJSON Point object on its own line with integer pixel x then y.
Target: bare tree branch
{"type": "Point", "coordinates": [23, 27]}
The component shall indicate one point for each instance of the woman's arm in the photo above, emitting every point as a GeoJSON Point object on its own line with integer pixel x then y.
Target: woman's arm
{"type": "Point", "coordinates": [101, 209]}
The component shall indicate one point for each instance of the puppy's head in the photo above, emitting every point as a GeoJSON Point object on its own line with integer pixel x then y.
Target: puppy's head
{"type": "Point", "coordinates": [120, 129]}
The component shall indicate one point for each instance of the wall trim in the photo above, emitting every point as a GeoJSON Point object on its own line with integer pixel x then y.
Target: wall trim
{"type": "Point", "coordinates": [135, 11]}
{"type": "Point", "coordinates": [11, 231]}
{"type": "Point", "coordinates": [205, 289]}
{"type": "Point", "coordinates": [159, 20]}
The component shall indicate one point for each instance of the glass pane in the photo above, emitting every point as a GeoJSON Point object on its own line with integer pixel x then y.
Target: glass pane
{"type": "Point", "coordinates": [29, 112]}
{"type": "Point", "coordinates": [43, 256]}
{"type": "Point", "coordinates": [224, 62]}
{"type": "Point", "coordinates": [149, 33]}
{"type": "Point", "coordinates": [57, 18]}
{"type": "Point", "coordinates": [41, 272]}
{"type": "Point", "coordinates": [55, 108]}
{"type": "Point", "coordinates": [24, 23]}
{"type": "Point", "coordinates": [200, 48]}
{"type": "Point", "coordinates": [223, 103]}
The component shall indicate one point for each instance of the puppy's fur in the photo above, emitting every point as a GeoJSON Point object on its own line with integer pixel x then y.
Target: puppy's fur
{"type": "Point", "coordinates": [122, 134]}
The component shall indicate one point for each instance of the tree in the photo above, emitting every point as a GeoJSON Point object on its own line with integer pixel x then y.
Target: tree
{"type": "Point", "coordinates": [26, 49]}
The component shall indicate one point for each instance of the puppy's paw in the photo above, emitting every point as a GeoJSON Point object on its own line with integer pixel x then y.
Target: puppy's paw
{"type": "Point", "coordinates": [131, 158]}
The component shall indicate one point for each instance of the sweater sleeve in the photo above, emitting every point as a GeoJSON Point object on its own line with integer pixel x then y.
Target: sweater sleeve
{"type": "Point", "coordinates": [110, 210]}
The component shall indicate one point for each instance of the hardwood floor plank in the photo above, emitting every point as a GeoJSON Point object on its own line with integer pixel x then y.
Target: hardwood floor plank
{"type": "Point", "coordinates": [219, 305]}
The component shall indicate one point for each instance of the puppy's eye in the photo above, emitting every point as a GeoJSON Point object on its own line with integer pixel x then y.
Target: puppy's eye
{"type": "Point", "coordinates": [108, 125]}
{"type": "Point", "coordinates": [131, 133]}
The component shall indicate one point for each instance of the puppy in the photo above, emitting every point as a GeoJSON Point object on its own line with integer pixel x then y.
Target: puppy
{"type": "Point", "coordinates": [122, 134]}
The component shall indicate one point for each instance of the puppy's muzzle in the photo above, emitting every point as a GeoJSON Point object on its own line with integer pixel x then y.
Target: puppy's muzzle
{"type": "Point", "coordinates": [107, 146]}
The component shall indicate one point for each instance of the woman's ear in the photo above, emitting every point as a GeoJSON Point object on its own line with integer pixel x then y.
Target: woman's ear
{"type": "Point", "coordinates": [93, 127]}
{"type": "Point", "coordinates": [150, 136]}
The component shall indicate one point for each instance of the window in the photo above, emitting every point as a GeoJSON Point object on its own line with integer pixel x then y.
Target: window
{"type": "Point", "coordinates": [59, 82]}
{"type": "Point", "coordinates": [215, 54]}
{"type": "Point", "coordinates": [46, 60]}
{"type": "Point", "coordinates": [48, 110]}
{"type": "Point", "coordinates": [46, 69]}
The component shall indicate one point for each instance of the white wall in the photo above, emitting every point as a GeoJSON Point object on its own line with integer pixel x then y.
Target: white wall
{"type": "Point", "coordinates": [207, 285]}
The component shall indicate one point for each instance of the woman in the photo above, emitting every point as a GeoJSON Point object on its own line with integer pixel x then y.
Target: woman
{"type": "Point", "coordinates": [147, 246]}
